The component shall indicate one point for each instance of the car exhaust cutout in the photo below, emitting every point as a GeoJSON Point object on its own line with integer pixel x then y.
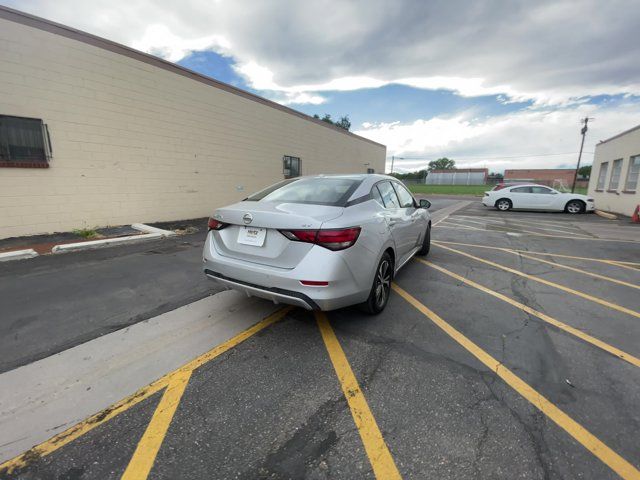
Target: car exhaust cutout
{"type": "Point", "coordinates": [216, 224]}
{"type": "Point", "coordinates": [332, 239]}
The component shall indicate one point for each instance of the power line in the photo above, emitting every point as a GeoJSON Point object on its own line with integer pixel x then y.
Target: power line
{"type": "Point", "coordinates": [494, 158]}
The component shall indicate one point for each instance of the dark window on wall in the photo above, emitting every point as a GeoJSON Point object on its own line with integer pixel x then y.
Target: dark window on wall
{"type": "Point", "coordinates": [24, 142]}
{"type": "Point", "coordinates": [291, 166]}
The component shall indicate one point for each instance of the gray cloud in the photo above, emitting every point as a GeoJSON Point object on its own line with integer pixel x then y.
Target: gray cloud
{"type": "Point", "coordinates": [546, 49]}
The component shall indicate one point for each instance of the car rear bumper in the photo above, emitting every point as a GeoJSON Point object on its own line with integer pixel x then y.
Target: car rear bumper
{"type": "Point", "coordinates": [278, 295]}
{"type": "Point", "coordinates": [283, 285]}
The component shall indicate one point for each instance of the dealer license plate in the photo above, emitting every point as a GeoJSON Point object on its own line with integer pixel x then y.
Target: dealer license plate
{"type": "Point", "coordinates": [252, 236]}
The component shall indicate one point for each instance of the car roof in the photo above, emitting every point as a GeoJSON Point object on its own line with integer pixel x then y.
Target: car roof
{"type": "Point", "coordinates": [354, 176]}
{"type": "Point", "coordinates": [529, 185]}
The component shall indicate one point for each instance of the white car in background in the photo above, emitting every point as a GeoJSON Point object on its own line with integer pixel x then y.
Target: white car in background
{"type": "Point", "coordinates": [537, 197]}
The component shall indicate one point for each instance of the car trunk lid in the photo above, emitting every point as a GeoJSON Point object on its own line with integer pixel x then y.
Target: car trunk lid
{"type": "Point", "coordinates": [275, 249]}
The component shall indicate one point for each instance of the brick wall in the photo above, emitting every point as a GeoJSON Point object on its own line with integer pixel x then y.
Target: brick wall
{"type": "Point", "coordinates": [133, 142]}
{"type": "Point", "coordinates": [543, 176]}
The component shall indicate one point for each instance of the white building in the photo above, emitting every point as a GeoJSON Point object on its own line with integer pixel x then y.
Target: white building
{"type": "Point", "coordinates": [615, 175]}
{"type": "Point", "coordinates": [94, 133]}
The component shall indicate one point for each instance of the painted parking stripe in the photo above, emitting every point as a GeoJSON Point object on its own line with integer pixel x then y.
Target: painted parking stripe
{"type": "Point", "coordinates": [447, 224]}
{"type": "Point", "coordinates": [518, 225]}
{"type": "Point", "coordinates": [617, 263]}
{"type": "Point", "coordinates": [589, 441]}
{"type": "Point", "coordinates": [516, 229]}
{"type": "Point", "coordinates": [572, 237]}
{"type": "Point", "coordinates": [562, 225]}
{"type": "Point", "coordinates": [577, 270]}
{"type": "Point", "coordinates": [546, 318]}
{"type": "Point", "coordinates": [521, 253]}
{"type": "Point", "coordinates": [586, 296]}
{"type": "Point", "coordinates": [377, 451]}
{"type": "Point", "coordinates": [145, 454]}
{"type": "Point", "coordinates": [78, 430]}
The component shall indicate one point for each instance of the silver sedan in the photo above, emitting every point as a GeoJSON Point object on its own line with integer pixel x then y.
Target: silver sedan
{"type": "Point", "coordinates": [320, 242]}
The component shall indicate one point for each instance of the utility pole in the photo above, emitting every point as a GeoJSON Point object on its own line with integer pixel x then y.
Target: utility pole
{"type": "Point", "coordinates": [393, 158]}
{"type": "Point", "coordinates": [585, 121]}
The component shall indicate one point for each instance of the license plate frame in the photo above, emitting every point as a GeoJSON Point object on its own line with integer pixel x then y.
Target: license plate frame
{"type": "Point", "coordinates": [253, 236]}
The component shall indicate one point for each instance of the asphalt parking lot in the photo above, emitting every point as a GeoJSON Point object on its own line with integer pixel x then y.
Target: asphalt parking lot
{"type": "Point", "coordinates": [511, 351]}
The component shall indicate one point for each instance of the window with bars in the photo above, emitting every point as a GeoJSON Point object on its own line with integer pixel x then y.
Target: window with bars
{"type": "Point", "coordinates": [23, 142]}
{"type": "Point", "coordinates": [616, 169]}
{"type": "Point", "coordinates": [633, 174]}
{"type": "Point", "coordinates": [291, 166]}
{"type": "Point", "coordinates": [602, 175]}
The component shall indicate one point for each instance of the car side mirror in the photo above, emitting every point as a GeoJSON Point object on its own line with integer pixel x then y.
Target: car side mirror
{"type": "Point", "coordinates": [424, 203]}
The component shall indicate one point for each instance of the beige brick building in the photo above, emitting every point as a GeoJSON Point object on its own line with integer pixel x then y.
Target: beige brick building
{"type": "Point", "coordinates": [93, 133]}
{"type": "Point", "coordinates": [615, 175]}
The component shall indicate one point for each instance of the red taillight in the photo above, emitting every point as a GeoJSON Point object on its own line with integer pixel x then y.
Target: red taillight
{"type": "Point", "coordinates": [334, 239]}
{"type": "Point", "coordinates": [314, 283]}
{"type": "Point", "coordinates": [216, 224]}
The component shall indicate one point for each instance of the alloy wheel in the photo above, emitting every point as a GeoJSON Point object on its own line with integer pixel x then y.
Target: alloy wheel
{"type": "Point", "coordinates": [383, 283]}
{"type": "Point", "coordinates": [574, 207]}
{"type": "Point", "coordinates": [503, 205]}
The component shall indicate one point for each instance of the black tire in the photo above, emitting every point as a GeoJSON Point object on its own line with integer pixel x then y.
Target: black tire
{"type": "Point", "coordinates": [574, 207]}
{"type": "Point", "coordinates": [504, 204]}
{"type": "Point", "coordinates": [426, 242]}
{"type": "Point", "coordinates": [381, 288]}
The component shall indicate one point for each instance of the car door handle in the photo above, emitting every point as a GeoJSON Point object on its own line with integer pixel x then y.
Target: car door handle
{"type": "Point", "coordinates": [392, 222]}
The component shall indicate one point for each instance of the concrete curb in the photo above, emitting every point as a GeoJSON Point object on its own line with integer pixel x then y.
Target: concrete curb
{"type": "Point", "coordinates": [149, 229]}
{"type": "Point", "coordinates": [107, 242]}
{"type": "Point", "coordinates": [18, 255]}
{"type": "Point", "coordinates": [609, 216]}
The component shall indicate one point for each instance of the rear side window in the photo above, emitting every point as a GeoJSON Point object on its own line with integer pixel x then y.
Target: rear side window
{"type": "Point", "coordinates": [375, 194]}
{"type": "Point", "coordinates": [406, 199]}
{"type": "Point", "coordinates": [389, 197]}
{"type": "Point", "coordinates": [315, 191]}
{"type": "Point", "coordinates": [540, 190]}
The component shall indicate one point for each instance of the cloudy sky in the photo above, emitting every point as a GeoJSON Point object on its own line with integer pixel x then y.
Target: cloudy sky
{"type": "Point", "coordinates": [501, 84]}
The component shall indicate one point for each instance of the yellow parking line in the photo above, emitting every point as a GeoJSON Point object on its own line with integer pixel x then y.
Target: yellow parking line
{"type": "Point", "coordinates": [617, 263]}
{"type": "Point", "coordinates": [589, 441]}
{"type": "Point", "coordinates": [526, 232]}
{"type": "Point", "coordinates": [513, 225]}
{"type": "Point", "coordinates": [628, 265]}
{"type": "Point", "coordinates": [546, 282]}
{"type": "Point", "coordinates": [546, 318]}
{"type": "Point", "coordinates": [577, 270]}
{"type": "Point", "coordinates": [73, 433]}
{"type": "Point", "coordinates": [512, 229]}
{"type": "Point", "coordinates": [379, 456]}
{"type": "Point", "coordinates": [460, 227]}
{"type": "Point", "coordinates": [145, 455]}
{"type": "Point", "coordinates": [558, 225]}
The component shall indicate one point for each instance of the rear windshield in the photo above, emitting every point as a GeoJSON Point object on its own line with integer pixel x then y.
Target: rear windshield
{"type": "Point", "coordinates": [316, 191]}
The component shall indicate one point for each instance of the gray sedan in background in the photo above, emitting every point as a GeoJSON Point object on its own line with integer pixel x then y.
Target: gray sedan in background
{"type": "Point", "coordinates": [320, 242]}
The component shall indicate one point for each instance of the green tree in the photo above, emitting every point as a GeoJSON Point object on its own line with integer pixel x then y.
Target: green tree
{"type": "Point", "coordinates": [344, 121]}
{"type": "Point", "coordinates": [585, 171]}
{"type": "Point", "coordinates": [443, 163]}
